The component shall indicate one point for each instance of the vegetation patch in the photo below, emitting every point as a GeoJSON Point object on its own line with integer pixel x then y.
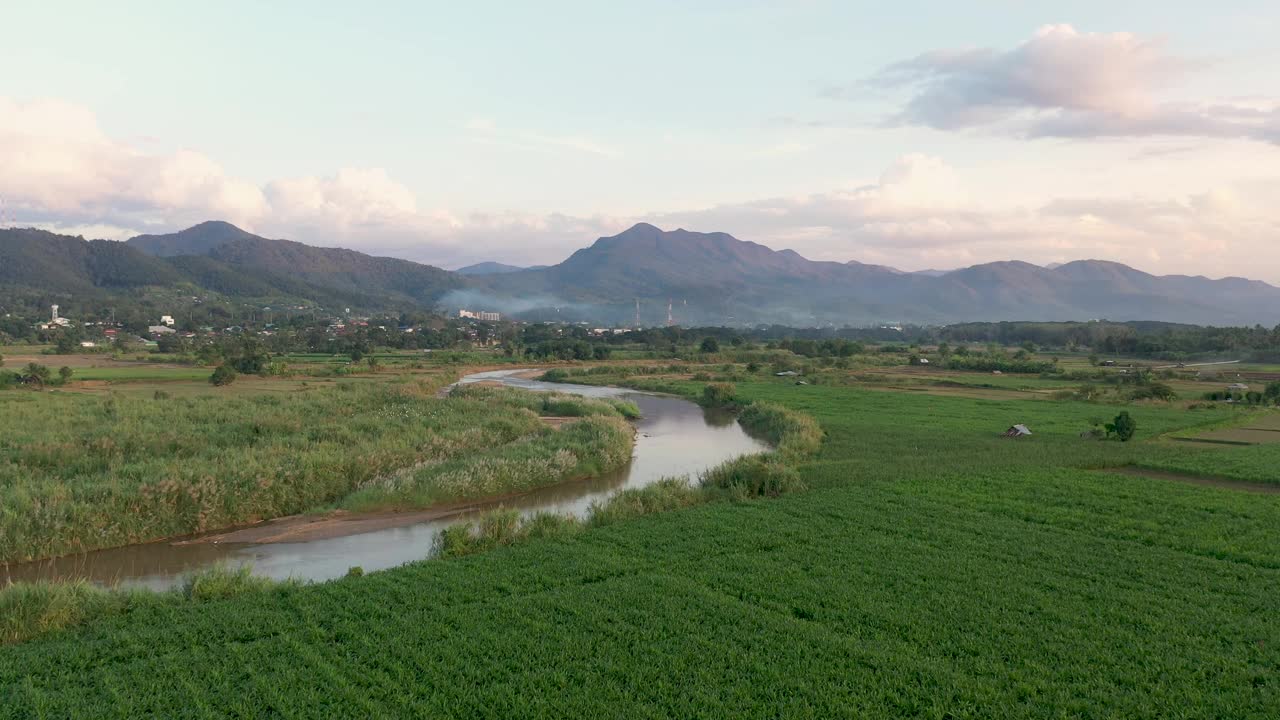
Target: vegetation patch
{"type": "Point", "coordinates": [81, 472]}
{"type": "Point", "coordinates": [28, 610]}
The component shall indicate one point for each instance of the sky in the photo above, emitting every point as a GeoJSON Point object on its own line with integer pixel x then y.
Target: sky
{"type": "Point", "coordinates": [914, 134]}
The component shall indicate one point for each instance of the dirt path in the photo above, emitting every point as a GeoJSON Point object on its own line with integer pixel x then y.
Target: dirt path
{"type": "Point", "coordinates": [1218, 482]}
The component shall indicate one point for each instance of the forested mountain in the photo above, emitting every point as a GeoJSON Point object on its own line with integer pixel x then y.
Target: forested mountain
{"type": "Point", "coordinates": [708, 279]}
{"type": "Point", "coordinates": [376, 280]}
{"type": "Point", "coordinates": [38, 267]}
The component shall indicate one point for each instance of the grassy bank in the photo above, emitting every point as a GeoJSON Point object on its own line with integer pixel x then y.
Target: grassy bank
{"type": "Point", "coordinates": [28, 610]}
{"type": "Point", "coordinates": [83, 472]}
{"type": "Point", "coordinates": [796, 437]}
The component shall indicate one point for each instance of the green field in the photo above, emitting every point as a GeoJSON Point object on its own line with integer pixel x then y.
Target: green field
{"type": "Point", "coordinates": [933, 569]}
{"type": "Point", "coordinates": [143, 373]}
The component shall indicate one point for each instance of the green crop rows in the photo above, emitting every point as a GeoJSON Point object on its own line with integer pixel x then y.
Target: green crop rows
{"type": "Point", "coordinates": [933, 570]}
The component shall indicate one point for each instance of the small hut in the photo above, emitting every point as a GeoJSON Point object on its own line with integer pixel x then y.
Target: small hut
{"type": "Point", "coordinates": [1017, 431]}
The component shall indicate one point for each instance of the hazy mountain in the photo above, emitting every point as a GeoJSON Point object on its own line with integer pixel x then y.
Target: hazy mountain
{"type": "Point", "coordinates": [714, 278]}
{"type": "Point", "coordinates": [493, 268]}
{"type": "Point", "coordinates": [196, 240]}
{"type": "Point", "coordinates": [705, 278]}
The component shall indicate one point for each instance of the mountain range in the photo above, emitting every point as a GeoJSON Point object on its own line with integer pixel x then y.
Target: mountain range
{"type": "Point", "coordinates": [708, 278]}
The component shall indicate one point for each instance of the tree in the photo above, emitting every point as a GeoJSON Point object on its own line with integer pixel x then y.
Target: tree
{"type": "Point", "coordinates": [1271, 392]}
{"type": "Point", "coordinates": [35, 374]}
{"type": "Point", "coordinates": [222, 375]}
{"type": "Point", "coordinates": [64, 374]}
{"type": "Point", "coordinates": [710, 345]}
{"type": "Point", "coordinates": [1093, 358]}
{"type": "Point", "coordinates": [65, 344]}
{"type": "Point", "coordinates": [1123, 427]}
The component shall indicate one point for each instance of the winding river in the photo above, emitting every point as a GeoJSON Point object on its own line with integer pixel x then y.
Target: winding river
{"type": "Point", "coordinates": [674, 437]}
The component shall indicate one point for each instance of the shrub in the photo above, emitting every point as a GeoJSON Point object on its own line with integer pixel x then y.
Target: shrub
{"type": "Point", "coordinates": [795, 434]}
{"type": "Point", "coordinates": [222, 375]}
{"type": "Point", "coordinates": [1154, 391]}
{"type": "Point", "coordinates": [220, 582]}
{"type": "Point", "coordinates": [719, 394]}
{"type": "Point", "coordinates": [754, 475]}
{"type": "Point", "coordinates": [555, 375]}
{"type": "Point", "coordinates": [1123, 427]}
{"type": "Point", "coordinates": [665, 494]}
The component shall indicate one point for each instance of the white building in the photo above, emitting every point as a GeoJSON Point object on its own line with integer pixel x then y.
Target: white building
{"type": "Point", "coordinates": [167, 320]}
{"type": "Point", "coordinates": [54, 320]}
{"type": "Point", "coordinates": [479, 315]}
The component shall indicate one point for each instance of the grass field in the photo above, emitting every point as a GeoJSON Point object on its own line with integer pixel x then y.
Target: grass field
{"type": "Point", "coordinates": [933, 569]}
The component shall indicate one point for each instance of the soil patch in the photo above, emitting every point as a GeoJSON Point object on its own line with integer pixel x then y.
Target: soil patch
{"type": "Point", "coordinates": [339, 523]}
{"type": "Point", "coordinates": [1219, 482]}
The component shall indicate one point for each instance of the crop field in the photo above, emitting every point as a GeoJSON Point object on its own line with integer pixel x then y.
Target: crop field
{"type": "Point", "coordinates": [142, 373]}
{"type": "Point", "coordinates": [80, 472]}
{"type": "Point", "coordinates": [933, 569]}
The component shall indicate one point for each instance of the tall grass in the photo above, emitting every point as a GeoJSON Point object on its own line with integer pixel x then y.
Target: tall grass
{"type": "Point", "coordinates": [80, 472]}
{"type": "Point", "coordinates": [587, 448]}
{"type": "Point", "coordinates": [549, 403]}
{"type": "Point", "coordinates": [502, 527]}
{"type": "Point", "coordinates": [794, 434]}
{"type": "Point", "coordinates": [28, 610]}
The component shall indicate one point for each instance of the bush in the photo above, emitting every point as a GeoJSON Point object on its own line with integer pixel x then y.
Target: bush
{"type": "Point", "coordinates": [666, 494]}
{"type": "Point", "coordinates": [761, 475]}
{"type": "Point", "coordinates": [222, 375]}
{"type": "Point", "coordinates": [220, 582]}
{"type": "Point", "coordinates": [796, 435]}
{"type": "Point", "coordinates": [1123, 427]}
{"type": "Point", "coordinates": [1154, 391]}
{"type": "Point", "coordinates": [555, 375]}
{"type": "Point", "coordinates": [719, 394]}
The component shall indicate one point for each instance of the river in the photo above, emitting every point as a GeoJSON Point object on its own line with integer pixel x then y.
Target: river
{"type": "Point", "coordinates": [674, 437]}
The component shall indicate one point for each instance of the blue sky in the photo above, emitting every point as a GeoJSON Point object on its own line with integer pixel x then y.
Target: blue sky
{"type": "Point", "coordinates": [452, 132]}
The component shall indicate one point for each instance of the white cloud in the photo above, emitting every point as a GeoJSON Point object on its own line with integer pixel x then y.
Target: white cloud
{"type": "Point", "coordinates": [919, 216]}
{"type": "Point", "coordinates": [55, 159]}
{"type": "Point", "coordinates": [61, 172]}
{"type": "Point", "coordinates": [1065, 83]}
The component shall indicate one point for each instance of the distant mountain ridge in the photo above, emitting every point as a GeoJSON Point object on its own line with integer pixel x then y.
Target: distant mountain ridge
{"type": "Point", "coordinates": [493, 268]}
{"type": "Point", "coordinates": [706, 278]}
{"type": "Point", "coordinates": [714, 277]}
